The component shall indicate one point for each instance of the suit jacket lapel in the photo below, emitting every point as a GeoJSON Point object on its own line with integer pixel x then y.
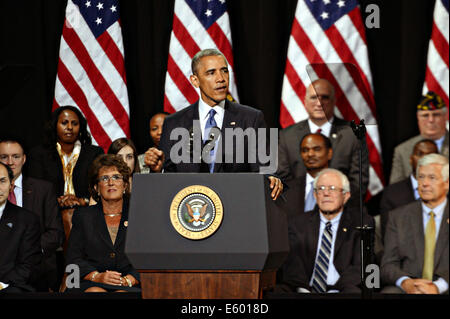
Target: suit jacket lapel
{"type": "Point", "coordinates": [122, 226]}
{"type": "Point", "coordinates": [313, 236]}
{"type": "Point", "coordinates": [416, 222]}
{"type": "Point", "coordinates": [101, 225]}
{"type": "Point", "coordinates": [189, 118]}
{"type": "Point", "coordinates": [27, 193]}
{"type": "Point", "coordinates": [442, 240]}
{"type": "Point", "coordinates": [7, 222]}
{"type": "Point", "coordinates": [230, 120]}
{"type": "Point", "coordinates": [343, 228]}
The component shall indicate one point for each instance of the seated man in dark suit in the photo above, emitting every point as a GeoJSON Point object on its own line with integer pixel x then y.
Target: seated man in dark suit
{"type": "Point", "coordinates": [404, 191]}
{"type": "Point", "coordinates": [213, 112]}
{"type": "Point", "coordinates": [324, 243]}
{"type": "Point", "coordinates": [320, 105]}
{"type": "Point", "coordinates": [416, 259]}
{"type": "Point", "coordinates": [39, 197]}
{"type": "Point", "coordinates": [316, 153]}
{"type": "Point", "coordinates": [20, 249]}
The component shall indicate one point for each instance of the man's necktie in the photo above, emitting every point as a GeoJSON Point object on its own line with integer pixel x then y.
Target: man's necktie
{"type": "Point", "coordinates": [310, 201]}
{"type": "Point", "coordinates": [210, 123]}
{"type": "Point", "coordinates": [319, 131]}
{"type": "Point", "coordinates": [12, 196]}
{"type": "Point", "coordinates": [319, 283]}
{"type": "Point", "coordinates": [430, 244]}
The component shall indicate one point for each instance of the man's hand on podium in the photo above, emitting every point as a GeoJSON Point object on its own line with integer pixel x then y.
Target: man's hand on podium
{"type": "Point", "coordinates": [276, 186]}
{"type": "Point", "coordinates": [154, 159]}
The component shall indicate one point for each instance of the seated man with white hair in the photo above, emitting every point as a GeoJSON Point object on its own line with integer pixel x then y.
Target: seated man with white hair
{"type": "Point", "coordinates": [324, 243]}
{"type": "Point", "coordinates": [416, 259]}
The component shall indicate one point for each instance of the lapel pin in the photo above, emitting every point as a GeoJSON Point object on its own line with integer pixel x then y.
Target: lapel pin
{"type": "Point", "coordinates": [233, 123]}
{"type": "Point", "coordinates": [345, 229]}
{"type": "Point", "coordinates": [10, 225]}
{"type": "Point", "coordinates": [334, 135]}
{"type": "Point", "coordinates": [125, 223]}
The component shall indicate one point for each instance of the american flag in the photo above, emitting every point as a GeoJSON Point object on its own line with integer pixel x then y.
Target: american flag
{"type": "Point", "coordinates": [328, 39]}
{"type": "Point", "coordinates": [197, 25]}
{"type": "Point", "coordinates": [437, 74]}
{"type": "Point", "coordinates": [91, 71]}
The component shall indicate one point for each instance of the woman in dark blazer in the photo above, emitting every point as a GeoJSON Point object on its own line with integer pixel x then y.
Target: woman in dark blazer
{"type": "Point", "coordinates": [97, 240]}
{"type": "Point", "coordinates": [67, 141]}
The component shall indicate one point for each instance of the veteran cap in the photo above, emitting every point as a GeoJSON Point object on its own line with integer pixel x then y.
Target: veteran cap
{"type": "Point", "coordinates": [430, 102]}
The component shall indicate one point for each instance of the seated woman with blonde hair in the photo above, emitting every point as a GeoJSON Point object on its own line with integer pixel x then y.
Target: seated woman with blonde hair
{"type": "Point", "coordinates": [97, 240]}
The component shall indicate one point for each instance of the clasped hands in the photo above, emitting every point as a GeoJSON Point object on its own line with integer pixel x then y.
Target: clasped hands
{"type": "Point", "coordinates": [154, 159]}
{"type": "Point", "coordinates": [112, 278]}
{"type": "Point", "coordinates": [419, 286]}
{"type": "Point", "coordinates": [70, 201]}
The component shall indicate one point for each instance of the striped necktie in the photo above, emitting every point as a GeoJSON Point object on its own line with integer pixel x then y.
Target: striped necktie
{"type": "Point", "coordinates": [319, 283]}
{"type": "Point", "coordinates": [210, 123]}
{"type": "Point", "coordinates": [430, 244]}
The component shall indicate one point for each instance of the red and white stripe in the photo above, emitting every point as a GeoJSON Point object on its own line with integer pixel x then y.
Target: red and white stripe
{"type": "Point", "coordinates": [91, 76]}
{"type": "Point", "coordinates": [187, 38]}
{"type": "Point", "coordinates": [437, 72]}
{"type": "Point", "coordinates": [339, 55]}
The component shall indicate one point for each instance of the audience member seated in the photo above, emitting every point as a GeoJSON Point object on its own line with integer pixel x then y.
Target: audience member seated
{"type": "Point", "coordinates": [97, 240]}
{"type": "Point", "coordinates": [404, 191]}
{"type": "Point", "coordinates": [324, 243]}
{"type": "Point", "coordinates": [125, 148]}
{"type": "Point", "coordinates": [316, 152]}
{"type": "Point", "coordinates": [37, 196]}
{"type": "Point", "coordinates": [320, 104]}
{"type": "Point", "coordinates": [416, 259]}
{"type": "Point", "coordinates": [431, 119]}
{"type": "Point", "coordinates": [20, 248]}
{"type": "Point", "coordinates": [64, 159]}
{"type": "Point", "coordinates": [156, 125]}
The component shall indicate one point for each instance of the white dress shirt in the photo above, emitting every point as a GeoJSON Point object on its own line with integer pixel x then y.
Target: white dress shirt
{"type": "Point", "coordinates": [308, 186]}
{"type": "Point", "coordinates": [415, 186]}
{"type": "Point", "coordinates": [2, 208]}
{"type": "Point", "coordinates": [203, 114]}
{"type": "Point", "coordinates": [326, 127]}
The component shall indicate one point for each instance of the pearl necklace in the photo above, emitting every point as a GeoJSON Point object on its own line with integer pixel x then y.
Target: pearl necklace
{"type": "Point", "coordinates": [112, 215]}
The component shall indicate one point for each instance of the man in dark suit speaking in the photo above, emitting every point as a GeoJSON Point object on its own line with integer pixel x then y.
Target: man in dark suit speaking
{"type": "Point", "coordinates": [212, 118]}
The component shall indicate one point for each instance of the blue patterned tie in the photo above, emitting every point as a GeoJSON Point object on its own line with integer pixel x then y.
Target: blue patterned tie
{"type": "Point", "coordinates": [319, 283]}
{"type": "Point", "coordinates": [210, 123]}
{"type": "Point", "coordinates": [310, 201]}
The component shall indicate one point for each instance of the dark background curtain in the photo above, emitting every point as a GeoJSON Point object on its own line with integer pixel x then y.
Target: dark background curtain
{"type": "Point", "coordinates": [30, 33]}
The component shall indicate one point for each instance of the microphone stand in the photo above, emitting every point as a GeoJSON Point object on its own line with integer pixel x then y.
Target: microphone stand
{"type": "Point", "coordinates": [366, 231]}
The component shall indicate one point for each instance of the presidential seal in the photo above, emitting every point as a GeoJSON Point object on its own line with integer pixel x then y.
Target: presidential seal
{"type": "Point", "coordinates": [196, 212]}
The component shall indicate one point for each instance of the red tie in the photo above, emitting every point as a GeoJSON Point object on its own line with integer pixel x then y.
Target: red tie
{"type": "Point", "coordinates": [12, 196]}
{"type": "Point", "coordinates": [319, 130]}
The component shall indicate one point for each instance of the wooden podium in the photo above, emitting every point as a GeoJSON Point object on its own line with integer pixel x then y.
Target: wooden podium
{"type": "Point", "coordinates": [238, 261]}
{"type": "Point", "coordinates": [206, 284]}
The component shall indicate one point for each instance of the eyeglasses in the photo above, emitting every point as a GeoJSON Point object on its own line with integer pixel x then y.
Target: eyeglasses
{"type": "Point", "coordinates": [105, 178]}
{"type": "Point", "coordinates": [332, 189]}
